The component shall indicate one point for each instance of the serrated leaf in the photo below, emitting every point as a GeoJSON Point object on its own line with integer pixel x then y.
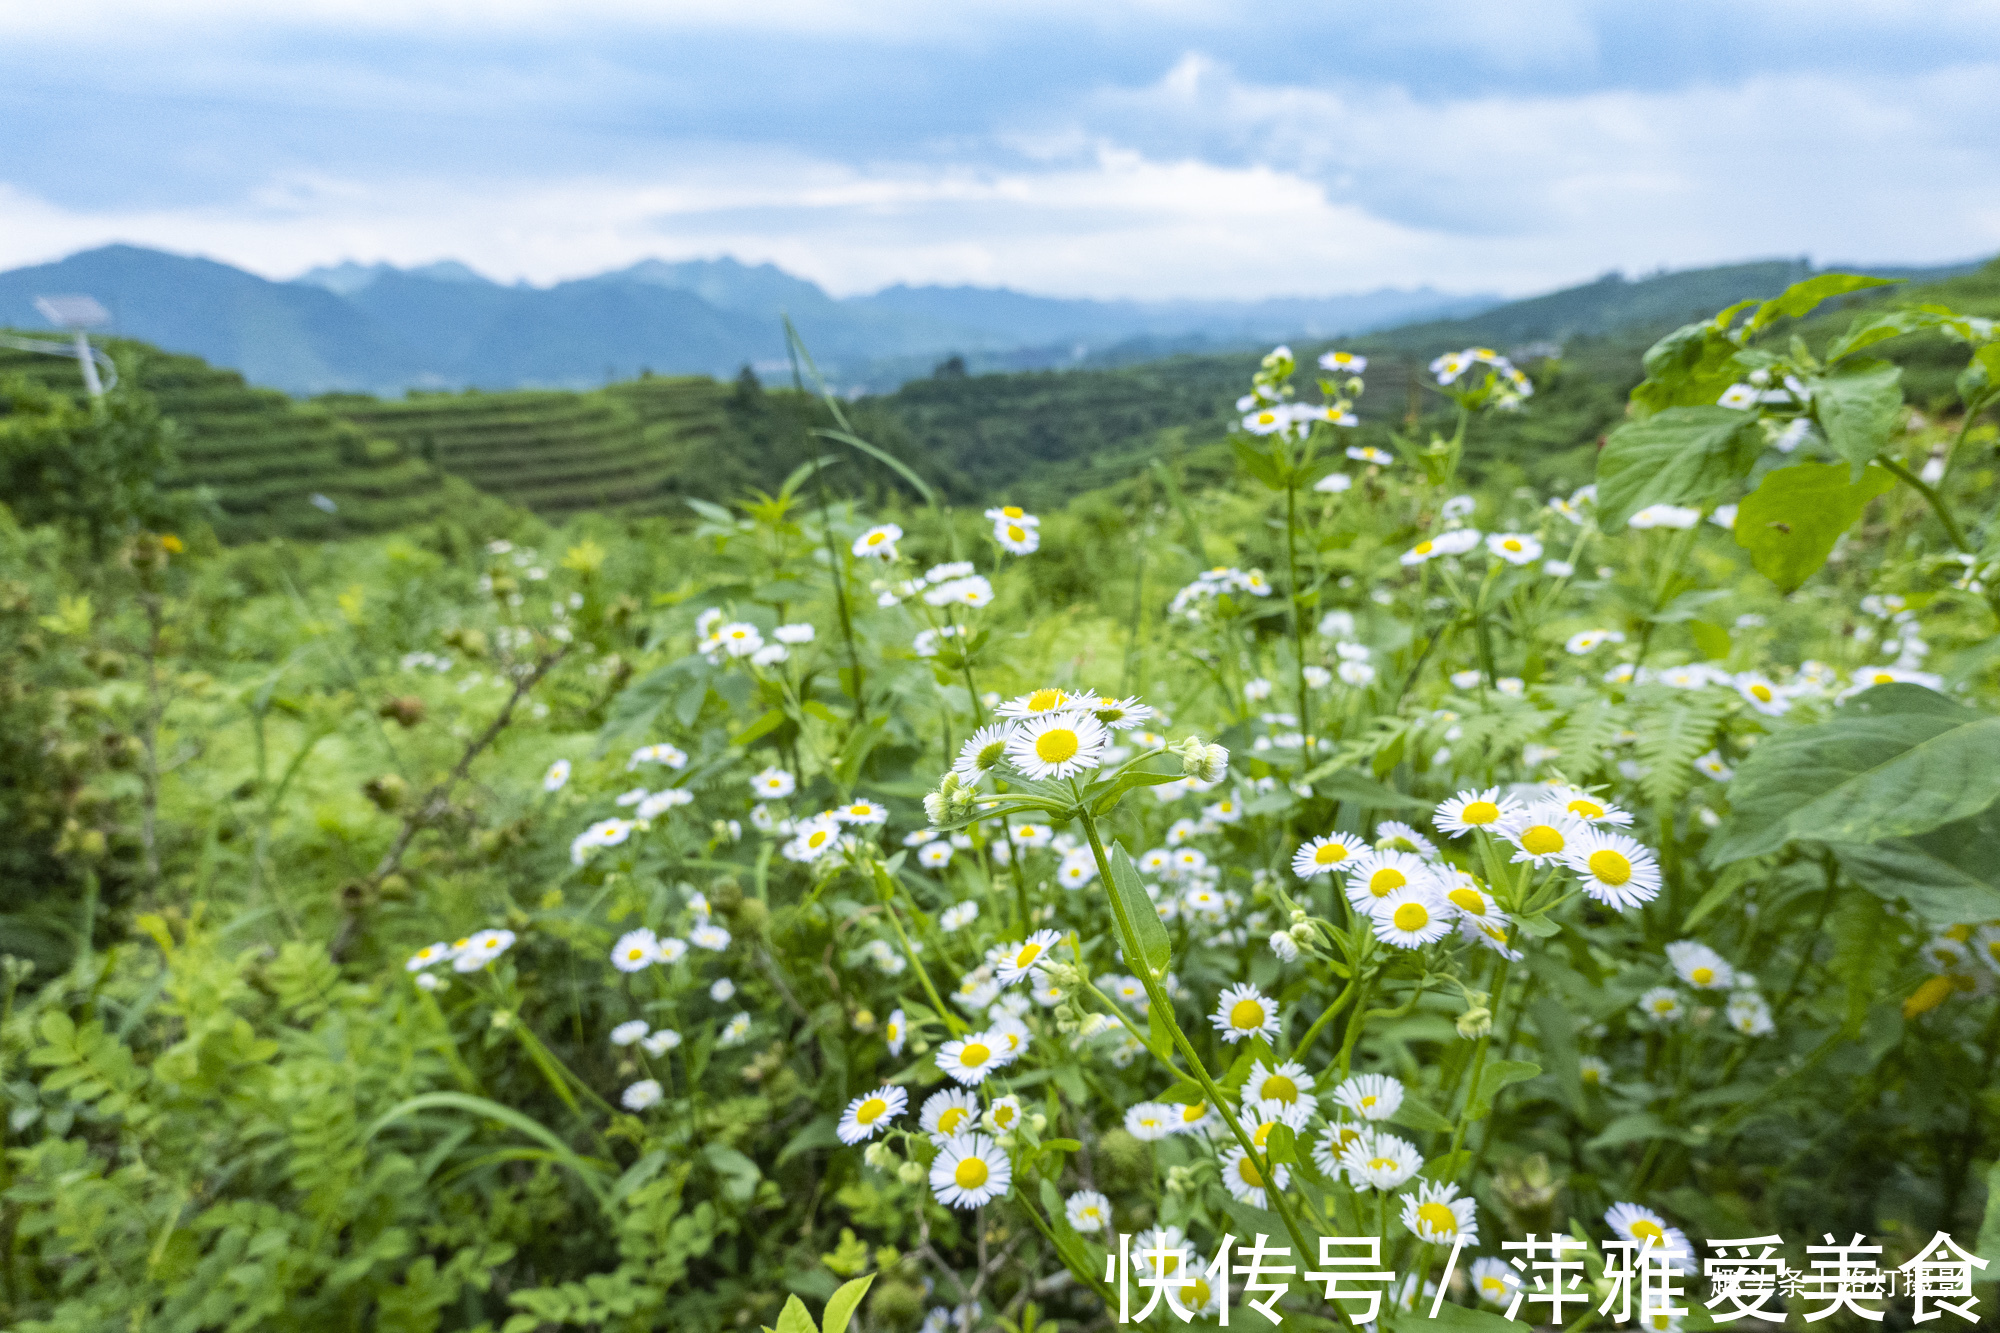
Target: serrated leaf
{"type": "Point", "coordinates": [1791, 521]}
{"type": "Point", "coordinates": [1684, 455]}
{"type": "Point", "coordinates": [1858, 406]}
{"type": "Point", "coordinates": [1150, 933]}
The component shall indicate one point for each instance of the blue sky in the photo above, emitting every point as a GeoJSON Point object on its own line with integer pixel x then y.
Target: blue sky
{"type": "Point", "coordinates": [1171, 148]}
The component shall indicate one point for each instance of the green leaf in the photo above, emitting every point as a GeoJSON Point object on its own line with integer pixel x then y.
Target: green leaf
{"type": "Point", "coordinates": [1950, 776]}
{"type": "Point", "coordinates": [1987, 1246]}
{"type": "Point", "coordinates": [1636, 1127]}
{"type": "Point", "coordinates": [1280, 1146]}
{"type": "Point", "coordinates": [1416, 1114]}
{"type": "Point", "coordinates": [1155, 949]}
{"type": "Point", "coordinates": [1711, 641]}
{"type": "Point", "coordinates": [841, 1308]}
{"type": "Point", "coordinates": [794, 1319]}
{"type": "Point", "coordinates": [1464, 1319]}
{"type": "Point", "coordinates": [763, 726]}
{"type": "Point", "coordinates": [882, 456]}
{"type": "Point", "coordinates": [1347, 785]}
{"type": "Point", "coordinates": [1259, 464]}
{"type": "Point", "coordinates": [1947, 876]}
{"type": "Point", "coordinates": [1801, 298]}
{"type": "Point", "coordinates": [739, 1173]}
{"type": "Point", "coordinates": [1684, 455]}
{"type": "Point", "coordinates": [1858, 406]}
{"type": "Point", "coordinates": [1791, 521]}
{"type": "Point", "coordinates": [1497, 1075]}
{"type": "Point", "coordinates": [592, 1171]}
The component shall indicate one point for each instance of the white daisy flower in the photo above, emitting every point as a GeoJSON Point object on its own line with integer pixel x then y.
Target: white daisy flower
{"type": "Point", "coordinates": [1580, 804]}
{"type": "Point", "coordinates": [879, 541]}
{"type": "Point", "coordinates": [1078, 868]}
{"type": "Point", "coordinates": [1245, 1182]}
{"type": "Point", "coordinates": [870, 1112]}
{"type": "Point", "coordinates": [1008, 1035]}
{"type": "Point", "coordinates": [1639, 1224]}
{"type": "Point", "coordinates": [1593, 1072]}
{"type": "Point", "coordinates": [1244, 1011]}
{"type": "Point", "coordinates": [1149, 1121]}
{"type": "Point", "coordinates": [1615, 870]}
{"type": "Point", "coordinates": [1287, 1083]}
{"type": "Point", "coordinates": [672, 756]}
{"type": "Point", "coordinates": [1192, 1117]}
{"type": "Point", "coordinates": [1661, 1005]}
{"type": "Point", "coordinates": [1370, 1096]}
{"type": "Point", "coordinates": [982, 752]}
{"type": "Point", "coordinates": [1700, 966]}
{"type": "Point", "coordinates": [1383, 1162]}
{"type": "Point", "coordinates": [948, 1112]}
{"type": "Point", "coordinates": [862, 812]}
{"type": "Point", "coordinates": [934, 855]}
{"type": "Point", "coordinates": [969, 1171]}
{"type": "Point", "coordinates": [658, 803]}
{"type": "Point", "coordinates": [1333, 483]}
{"type": "Point", "coordinates": [1712, 765]}
{"type": "Point", "coordinates": [1376, 874]}
{"type": "Point", "coordinates": [635, 951]}
{"type": "Point", "coordinates": [736, 1031]}
{"type": "Point", "coordinates": [1225, 811]}
{"type": "Point", "coordinates": [969, 1060]}
{"type": "Point", "coordinates": [1017, 536]}
{"type": "Point", "coordinates": [627, 1033]}
{"type": "Point", "coordinates": [958, 915]}
{"type": "Point", "coordinates": [721, 990]}
{"type": "Point", "coordinates": [1664, 516]}
{"type": "Point", "coordinates": [815, 837]}
{"type": "Point", "coordinates": [1267, 420]}
{"type": "Point", "coordinates": [659, 1043]}
{"type": "Point", "coordinates": [1393, 835]}
{"type": "Point", "coordinates": [1350, 363]}
{"type": "Point", "coordinates": [1368, 453]}
{"type": "Point", "coordinates": [1494, 1280]}
{"type": "Point", "coordinates": [1169, 1242]}
{"type": "Point", "coordinates": [1541, 834]}
{"type": "Point", "coordinates": [1740, 396]}
{"type": "Point", "coordinates": [739, 639]}
{"type": "Point", "coordinates": [1762, 695]}
{"type": "Point", "coordinates": [708, 935]}
{"type": "Point", "coordinates": [773, 784]}
{"type": "Point", "coordinates": [1333, 1144]}
{"type": "Point", "coordinates": [557, 775]}
{"type": "Point", "coordinates": [1485, 811]}
{"type": "Point", "coordinates": [1088, 1211]}
{"type": "Point", "coordinates": [1436, 1215]}
{"type": "Point", "coordinates": [1123, 714]}
{"type": "Point", "coordinates": [1059, 745]}
{"type": "Point", "coordinates": [1412, 917]}
{"type": "Point", "coordinates": [1317, 677]}
{"type": "Point", "coordinates": [672, 950]}
{"type": "Point", "coordinates": [1048, 699]}
{"type": "Point", "coordinates": [793, 634]}
{"type": "Point", "coordinates": [1020, 959]}
{"type": "Point", "coordinates": [481, 949]}
{"type": "Point", "coordinates": [1516, 548]}
{"type": "Point", "coordinates": [646, 1092]}
{"type": "Point", "coordinates": [426, 956]}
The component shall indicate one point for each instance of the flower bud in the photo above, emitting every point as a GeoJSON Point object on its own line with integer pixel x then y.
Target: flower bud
{"type": "Point", "coordinates": [1283, 945]}
{"type": "Point", "coordinates": [882, 1157]}
{"type": "Point", "coordinates": [911, 1173]}
{"type": "Point", "coordinates": [1475, 1022]}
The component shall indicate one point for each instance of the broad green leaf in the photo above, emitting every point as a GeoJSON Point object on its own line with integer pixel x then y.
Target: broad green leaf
{"type": "Point", "coordinates": [1684, 455]}
{"type": "Point", "coordinates": [1460, 1319]}
{"type": "Point", "coordinates": [1258, 463]}
{"type": "Point", "coordinates": [1801, 298]}
{"type": "Point", "coordinates": [840, 1310]}
{"type": "Point", "coordinates": [1791, 770]}
{"type": "Point", "coordinates": [1635, 1127]}
{"type": "Point", "coordinates": [1497, 1075]}
{"type": "Point", "coordinates": [1948, 777]}
{"type": "Point", "coordinates": [739, 1173]}
{"type": "Point", "coordinates": [1155, 949]}
{"type": "Point", "coordinates": [1690, 367]}
{"type": "Point", "coordinates": [1947, 876]}
{"type": "Point", "coordinates": [763, 726]}
{"type": "Point", "coordinates": [1280, 1146]}
{"type": "Point", "coordinates": [1711, 641]}
{"type": "Point", "coordinates": [1858, 406]}
{"type": "Point", "coordinates": [1865, 333]}
{"type": "Point", "coordinates": [1555, 1039]}
{"type": "Point", "coordinates": [794, 1318]}
{"type": "Point", "coordinates": [1417, 1114]}
{"type": "Point", "coordinates": [1791, 521]}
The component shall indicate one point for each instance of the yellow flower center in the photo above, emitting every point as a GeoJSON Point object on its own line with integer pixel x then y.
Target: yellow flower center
{"type": "Point", "coordinates": [1589, 1075]}
{"type": "Point", "coordinates": [1029, 953]}
{"type": "Point", "coordinates": [1247, 1169]}
{"type": "Point", "coordinates": [1003, 1115]}
{"type": "Point", "coordinates": [1016, 534]}
{"type": "Point", "coordinates": [1440, 1219]}
{"type": "Point", "coordinates": [870, 1111]}
{"type": "Point", "coordinates": [1192, 1114]}
{"type": "Point", "coordinates": [1246, 1014]}
{"type": "Point", "coordinates": [1412, 916]}
{"type": "Point", "coordinates": [1278, 1088]}
{"type": "Point", "coordinates": [635, 953]}
{"type": "Point", "coordinates": [951, 1119]}
{"type": "Point", "coordinates": [1261, 1133]}
{"type": "Point", "coordinates": [1014, 511]}
{"type": "Point", "coordinates": [1649, 1231]}
{"type": "Point", "coordinates": [1043, 700]}
{"type": "Point", "coordinates": [1056, 746]}
{"type": "Point", "coordinates": [1542, 840]}
{"type": "Point", "coordinates": [1169, 1262]}
{"type": "Point", "coordinates": [877, 538]}
{"type": "Point", "coordinates": [1469, 900]}
{"type": "Point", "coordinates": [1702, 976]}
{"type": "Point", "coordinates": [1382, 1164]}
{"type": "Point", "coordinates": [817, 837]}
{"type": "Point", "coordinates": [1480, 812]}
{"type": "Point", "coordinates": [1884, 678]}
{"type": "Point", "coordinates": [1330, 854]}
{"type": "Point", "coordinates": [1425, 548]}
{"type": "Point", "coordinates": [462, 943]}
{"type": "Point", "coordinates": [895, 1030]}
{"type": "Point", "coordinates": [1761, 693]}
{"type": "Point", "coordinates": [1197, 1294]}
{"type": "Point", "coordinates": [1663, 1006]}
{"type": "Point", "coordinates": [1511, 544]}
{"type": "Point", "coordinates": [1492, 1286]}
{"type": "Point", "coordinates": [970, 1173]}
{"type": "Point", "coordinates": [1369, 1101]}
{"type": "Point", "coordinates": [974, 1054]}
{"type": "Point", "coordinates": [1610, 866]}
{"type": "Point", "coordinates": [1586, 809]}
{"type": "Point", "coordinates": [1386, 881]}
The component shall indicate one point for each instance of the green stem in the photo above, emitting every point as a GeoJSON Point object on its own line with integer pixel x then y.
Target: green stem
{"type": "Point", "coordinates": [1931, 498]}
{"type": "Point", "coordinates": [1305, 1043]}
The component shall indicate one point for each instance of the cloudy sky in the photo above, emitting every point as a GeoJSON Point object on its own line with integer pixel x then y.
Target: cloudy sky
{"type": "Point", "coordinates": [1145, 148]}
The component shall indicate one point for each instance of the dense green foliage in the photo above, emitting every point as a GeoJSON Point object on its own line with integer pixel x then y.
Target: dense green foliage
{"type": "Point", "coordinates": [248, 787]}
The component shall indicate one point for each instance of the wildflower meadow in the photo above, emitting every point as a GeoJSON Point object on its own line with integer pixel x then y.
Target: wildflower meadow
{"type": "Point", "coordinates": [1360, 889]}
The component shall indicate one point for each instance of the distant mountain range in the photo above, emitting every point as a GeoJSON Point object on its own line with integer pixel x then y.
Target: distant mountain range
{"type": "Point", "coordinates": [381, 329]}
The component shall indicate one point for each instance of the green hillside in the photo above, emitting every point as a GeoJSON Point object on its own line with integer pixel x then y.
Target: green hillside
{"type": "Point", "coordinates": [262, 455]}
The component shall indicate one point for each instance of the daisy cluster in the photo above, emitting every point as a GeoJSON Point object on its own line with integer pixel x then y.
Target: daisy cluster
{"type": "Point", "coordinates": [1966, 956]}
{"type": "Point", "coordinates": [1269, 408]}
{"type": "Point", "coordinates": [1710, 977]}
{"type": "Point", "coordinates": [1511, 386]}
{"type": "Point", "coordinates": [1514, 548]}
{"type": "Point", "coordinates": [1769, 693]}
{"type": "Point", "coordinates": [1190, 602]}
{"type": "Point", "coordinates": [468, 953]}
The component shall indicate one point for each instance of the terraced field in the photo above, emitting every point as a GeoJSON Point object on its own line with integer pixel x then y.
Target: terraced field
{"type": "Point", "coordinates": [264, 456]}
